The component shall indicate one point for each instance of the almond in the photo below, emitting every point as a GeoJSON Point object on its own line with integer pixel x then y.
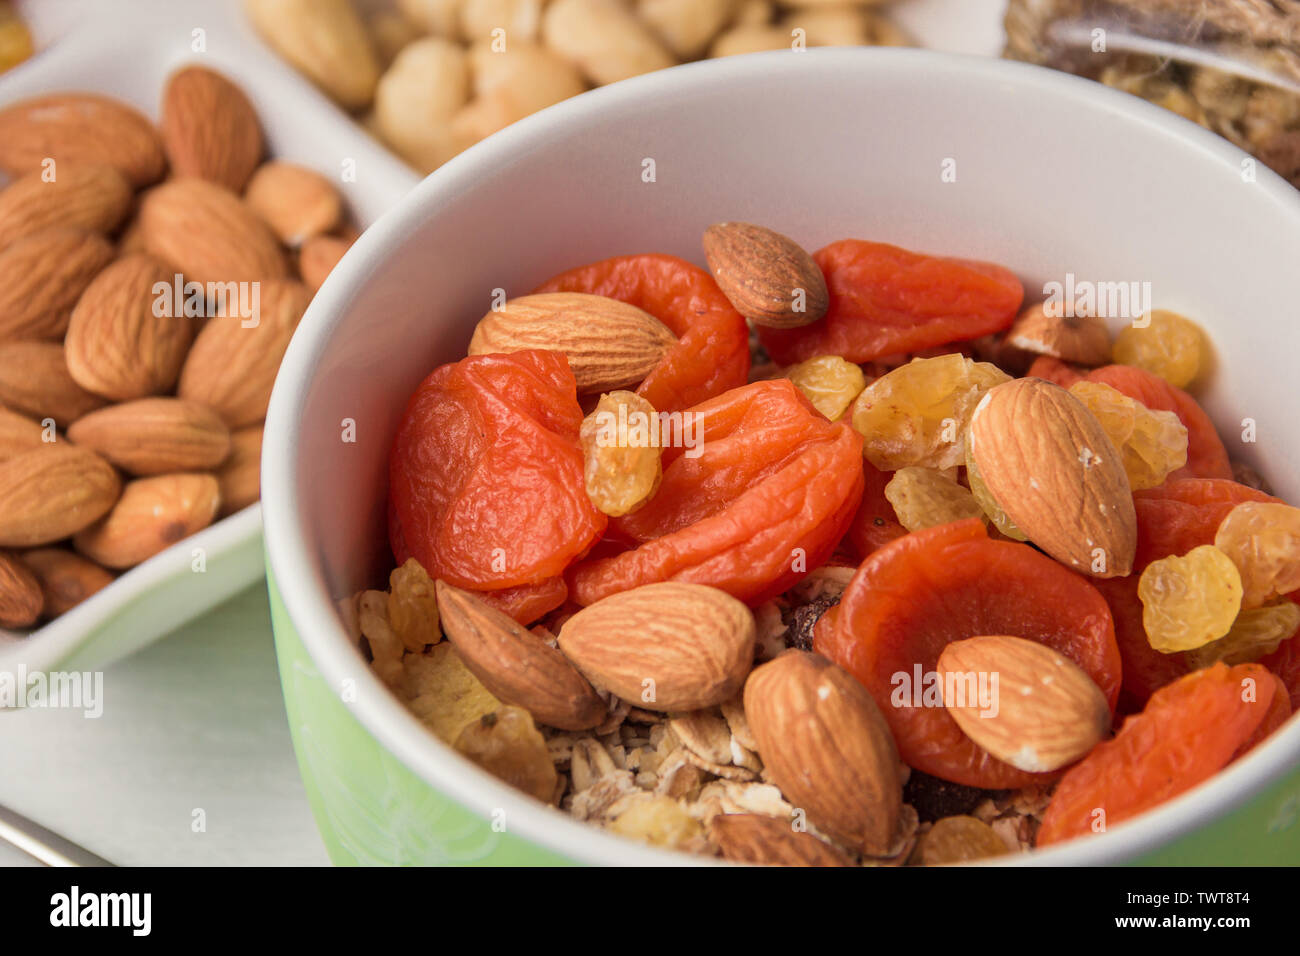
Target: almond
{"type": "Point", "coordinates": [152, 514]}
{"type": "Point", "coordinates": [318, 257]}
{"type": "Point", "coordinates": [52, 492]}
{"type": "Point", "coordinates": [34, 380]}
{"type": "Point", "coordinates": [209, 128]}
{"type": "Point", "coordinates": [609, 344]}
{"type": "Point", "coordinates": [1047, 461]}
{"type": "Point", "coordinates": [79, 128]}
{"type": "Point", "coordinates": [296, 202]}
{"type": "Point", "coordinates": [1047, 712]}
{"type": "Point", "coordinates": [21, 601]}
{"type": "Point", "coordinates": [517, 666]}
{"type": "Point", "coordinates": [41, 278]}
{"type": "Point", "coordinates": [66, 578]}
{"type": "Point", "coordinates": [751, 838]}
{"type": "Point", "coordinates": [326, 40]}
{"type": "Point", "coordinates": [665, 647]}
{"type": "Point", "coordinates": [1082, 339]}
{"type": "Point", "coordinates": [240, 475]}
{"type": "Point", "coordinates": [825, 744]}
{"type": "Point", "coordinates": [153, 436]}
{"type": "Point", "coordinates": [18, 434]}
{"type": "Point", "coordinates": [210, 235]}
{"type": "Point", "coordinates": [231, 367]}
{"type": "Point", "coordinates": [118, 345]}
{"type": "Point", "coordinates": [768, 277]}
{"type": "Point", "coordinates": [94, 198]}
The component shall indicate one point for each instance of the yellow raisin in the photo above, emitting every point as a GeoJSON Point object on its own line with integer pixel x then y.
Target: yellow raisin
{"type": "Point", "coordinates": [15, 38]}
{"type": "Point", "coordinates": [1170, 345]}
{"type": "Point", "coordinates": [1254, 633]}
{"type": "Point", "coordinates": [507, 744]}
{"type": "Point", "coordinates": [621, 453]}
{"type": "Point", "coordinates": [1189, 601]}
{"type": "Point", "coordinates": [659, 821]}
{"type": "Point", "coordinates": [1263, 540]}
{"type": "Point", "coordinates": [831, 383]}
{"type": "Point", "coordinates": [923, 498]}
{"type": "Point", "coordinates": [918, 414]}
{"type": "Point", "coordinates": [441, 691]}
{"type": "Point", "coordinates": [988, 504]}
{"type": "Point", "coordinates": [413, 607]}
{"type": "Point", "coordinates": [957, 840]}
{"type": "Point", "coordinates": [1152, 443]}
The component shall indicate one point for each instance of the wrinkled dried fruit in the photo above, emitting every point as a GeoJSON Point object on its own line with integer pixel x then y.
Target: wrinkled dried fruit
{"type": "Point", "coordinates": [413, 606]}
{"type": "Point", "coordinates": [1263, 540]}
{"type": "Point", "coordinates": [957, 840]}
{"type": "Point", "coordinates": [918, 414]}
{"type": "Point", "coordinates": [621, 452]}
{"type": "Point", "coordinates": [1189, 601]}
{"type": "Point", "coordinates": [988, 504]}
{"type": "Point", "coordinates": [1153, 444]}
{"type": "Point", "coordinates": [1171, 346]}
{"type": "Point", "coordinates": [507, 744]}
{"type": "Point", "coordinates": [829, 382]}
{"type": "Point", "coordinates": [442, 692]}
{"type": "Point", "coordinates": [923, 498]}
{"type": "Point", "coordinates": [1254, 634]}
{"type": "Point", "coordinates": [659, 821]}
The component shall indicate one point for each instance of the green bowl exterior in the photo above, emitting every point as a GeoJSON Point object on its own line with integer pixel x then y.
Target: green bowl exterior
{"type": "Point", "coordinates": [372, 810]}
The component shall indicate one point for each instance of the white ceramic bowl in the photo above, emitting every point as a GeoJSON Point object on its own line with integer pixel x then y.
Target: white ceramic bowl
{"type": "Point", "coordinates": [1054, 175]}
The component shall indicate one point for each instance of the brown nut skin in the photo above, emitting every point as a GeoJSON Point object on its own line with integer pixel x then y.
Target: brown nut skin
{"type": "Point", "coordinates": [21, 599]}
{"type": "Point", "coordinates": [768, 277]}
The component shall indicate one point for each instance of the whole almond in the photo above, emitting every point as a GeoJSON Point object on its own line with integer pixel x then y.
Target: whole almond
{"type": "Point", "coordinates": [1047, 713]}
{"type": "Point", "coordinates": [825, 744]}
{"type": "Point", "coordinates": [326, 40]}
{"type": "Point", "coordinates": [21, 601]}
{"type": "Point", "coordinates": [117, 344]}
{"type": "Point", "coordinates": [152, 514]}
{"type": "Point", "coordinates": [240, 475]}
{"type": "Point", "coordinates": [665, 647]}
{"type": "Point", "coordinates": [66, 578]}
{"type": "Point", "coordinates": [768, 277]}
{"type": "Point", "coordinates": [318, 257]}
{"type": "Point", "coordinates": [35, 381]}
{"type": "Point", "coordinates": [209, 128]}
{"type": "Point", "coordinates": [1048, 463]}
{"type": "Point", "coordinates": [18, 434]}
{"type": "Point", "coordinates": [517, 666]}
{"type": "Point", "coordinates": [94, 198]}
{"type": "Point", "coordinates": [208, 233]}
{"type": "Point", "coordinates": [609, 344]}
{"type": "Point", "coordinates": [153, 436]}
{"type": "Point", "coordinates": [52, 492]}
{"type": "Point", "coordinates": [1081, 339]}
{"type": "Point", "coordinates": [231, 367]}
{"type": "Point", "coordinates": [79, 128]}
{"type": "Point", "coordinates": [41, 278]}
{"type": "Point", "coordinates": [296, 202]}
{"type": "Point", "coordinates": [751, 838]}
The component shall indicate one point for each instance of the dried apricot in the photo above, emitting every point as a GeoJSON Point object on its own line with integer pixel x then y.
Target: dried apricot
{"type": "Point", "coordinates": [919, 413]}
{"type": "Point", "coordinates": [1279, 712]}
{"type": "Point", "coordinates": [1152, 443]}
{"type": "Point", "coordinates": [885, 301]}
{"type": "Point", "coordinates": [507, 744]}
{"type": "Point", "coordinates": [829, 382]}
{"type": "Point", "coordinates": [712, 350]}
{"type": "Point", "coordinates": [1053, 370]}
{"type": "Point", "coordinates": [621, 452]}
{"type": "Point", "coordinates": [916, 595]}
{"type": "Point", "coordinates": [1254, 634]}
{"type": "Point", "coordinates": [1263, 541]}
{"type": "Point", "coordinates": [1184, 513]}
{"type": "Point", "coordinates": [923, 498]}
{"type": "Point", "coordinates": [412, 606]}
{"type": "Point", "coordinates": [1189, 600]}
{"type": "Point", "coordinates": [957, 840]}
{"type": "Point", "coordinates": [528, 602]}
{"type": "Point", "coordinates": [485, 473]}
{"type": "Point", "coordinates": [875, 524]}
{"type": "Point", "coordinates": [1285, 663]}
{"type": "Point", "coordinates": [1187, 732]}
{"type": "Point", "coordinates": [1164, 343]}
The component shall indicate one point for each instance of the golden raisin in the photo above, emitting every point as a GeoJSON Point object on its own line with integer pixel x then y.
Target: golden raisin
{"type": "Point", "coordinates": [621, 453]}
{"type": "Point", "coordinates": [1263, 540]}
{"type": "Point", "coordinates": [1189, 601]}
{"type": "Point", "coordinates": [918, 414]}
{"type": "Point", "coordinates": [831, 383]}
{"type": "Point", "coordinates": [412, 606]}
{"type": "Point", "coordinates": [659, 821]}
{"type": "Point", "coordinates": [1254, 633]}
{"type": "Point", "coordinates": [1171, 346]}
{"type": "Point", "coordinates": [988, 504]}
{"type": "Point", "coordinates": [923, 498]}
{"type": "Point", "coordinates": [1152, 443]}
{"type": "Point", "coordinates": [957, 840]}
{"type": "Point", "coordinates": [507, 744]}
{"type": "Point", "coordinates": [15, 38]}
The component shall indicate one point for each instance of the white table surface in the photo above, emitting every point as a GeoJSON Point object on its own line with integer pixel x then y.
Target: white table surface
{"type": "Point", "coordinates": [197, 720]}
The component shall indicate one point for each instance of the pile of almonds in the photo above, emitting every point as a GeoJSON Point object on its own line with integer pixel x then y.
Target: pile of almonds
{"type": "Point", "coordinates": [150, 281]}
{"type": "Point", "coordinates": [432, 77]}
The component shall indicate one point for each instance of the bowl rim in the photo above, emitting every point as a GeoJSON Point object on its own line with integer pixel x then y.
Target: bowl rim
{"type": "Point", "coordinates": [312, 611]}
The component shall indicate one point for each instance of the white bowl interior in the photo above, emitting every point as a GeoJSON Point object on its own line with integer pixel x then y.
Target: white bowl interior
{"type": "Point", "coordinates": [1055, 175]}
